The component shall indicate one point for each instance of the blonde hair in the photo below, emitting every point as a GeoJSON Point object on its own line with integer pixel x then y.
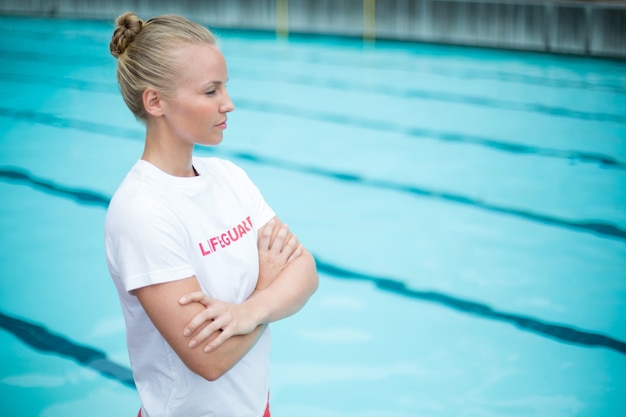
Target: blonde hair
{"type": "Point", "coordinates": [146, 54]}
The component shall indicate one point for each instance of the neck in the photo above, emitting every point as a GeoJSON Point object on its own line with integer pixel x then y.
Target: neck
{"type": "Point", "coordinates": [171, 157]}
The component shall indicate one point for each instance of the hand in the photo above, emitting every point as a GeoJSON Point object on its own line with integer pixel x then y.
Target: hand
{"type": "Point", "coordinates": [224, 318]}
{"type": "Point", "coordinates": [275, 254]}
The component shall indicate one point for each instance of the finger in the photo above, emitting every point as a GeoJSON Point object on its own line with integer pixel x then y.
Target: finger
{"type": "Point", "coordinates": [207, 315]}
{"type": "Point", "coordinates": [205, 333]}
{"type": "Point", "coordinates": [266, 235]}
{"type": "Point", "coordinates": [279, 240]}
{"type": "Point", "coordinates": [289, 248]}
{"type": "Point", "coordinates": [214, 320]}
{"type": "Point", "coordinates": [194, 296]}
{"type": "Point", "coordinates": [196, 321]}
{"type": "Point", "coordinates": [299, 251]}
{"type": "Point", "coordinates": [217, 342]}
{"type": "Point", "coordinates": [291, 245]}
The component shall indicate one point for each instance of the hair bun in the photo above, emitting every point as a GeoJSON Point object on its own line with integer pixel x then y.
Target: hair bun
{"type": "Point", "coordinates": [128, 27]}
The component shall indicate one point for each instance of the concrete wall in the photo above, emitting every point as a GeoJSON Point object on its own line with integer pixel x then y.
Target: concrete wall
{"type": "Point", "coordinates": [595, 28]}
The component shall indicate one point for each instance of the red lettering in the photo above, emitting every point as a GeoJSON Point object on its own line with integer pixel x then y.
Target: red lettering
{"type": "Point", "coordinates": [213, 242]}
{"type": "Point", "coordinates": [228, 237]}
{"type": "Point", "coordinates": [204, 253]}
{"type": "Point", "coordinates": [233, 238]}
{"type": "Point", "coordinates": [249, 223]}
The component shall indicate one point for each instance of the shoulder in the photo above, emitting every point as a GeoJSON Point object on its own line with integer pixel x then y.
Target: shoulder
{"type": "Point", "coordinates": [137, 201]}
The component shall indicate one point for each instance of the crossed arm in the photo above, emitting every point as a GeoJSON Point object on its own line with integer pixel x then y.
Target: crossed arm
{"type": "Point", "coordinates": [187, 318]}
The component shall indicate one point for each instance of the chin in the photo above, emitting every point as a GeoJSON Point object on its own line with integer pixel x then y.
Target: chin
{"type": "Point", "coordinates": [210, 141]}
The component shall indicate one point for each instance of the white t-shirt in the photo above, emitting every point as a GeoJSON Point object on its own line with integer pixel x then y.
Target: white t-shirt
{"type": "Point", "coordinates": [161, 228]}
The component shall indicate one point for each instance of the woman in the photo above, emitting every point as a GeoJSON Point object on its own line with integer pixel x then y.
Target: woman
{"type": "Point", "coordinates": [200, 261]}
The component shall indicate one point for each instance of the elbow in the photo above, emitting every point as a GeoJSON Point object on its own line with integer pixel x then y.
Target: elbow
{"type": "Point", "coordinates": [315, 281]}
{"type": "Point", "coordinates": [315, 284]}
{"type": "Point", "coordinates": [212, 375]}
{"type": "Point", "coordinates": [211, 372]}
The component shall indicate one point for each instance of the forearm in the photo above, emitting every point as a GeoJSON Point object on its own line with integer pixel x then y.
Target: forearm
{"type": "Point", "coordinates": [287, 278]}
{"type": "Point", "coordinates": [287, 293]}
{"type": "Point", "coordinates": [212, 365]}
{"type": "Point", "coordinates": [162, 305]}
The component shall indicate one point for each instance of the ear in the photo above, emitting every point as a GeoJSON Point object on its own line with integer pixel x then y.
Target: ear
{"type": "Point", "coordinates": [153, 102]}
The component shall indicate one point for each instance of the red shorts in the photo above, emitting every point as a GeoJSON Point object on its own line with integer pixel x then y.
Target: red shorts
{"type": "Point", "coordinates": [266, 414]}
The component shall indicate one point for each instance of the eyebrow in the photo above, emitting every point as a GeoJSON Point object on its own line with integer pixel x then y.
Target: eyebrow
{"type": "Point", "coordinates": [214, 83]}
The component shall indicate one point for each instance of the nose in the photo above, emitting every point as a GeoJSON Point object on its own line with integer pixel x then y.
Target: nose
{"type": "Point", "coordinates": [227, 106]}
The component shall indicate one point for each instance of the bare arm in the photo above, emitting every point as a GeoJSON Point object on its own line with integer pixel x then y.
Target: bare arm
{"type": "Point", "coordinates": [287, 279]}
{"type": "Point", "coordinates": [161, 303]}
{"type": "Point", "coordinates": [287, 290]}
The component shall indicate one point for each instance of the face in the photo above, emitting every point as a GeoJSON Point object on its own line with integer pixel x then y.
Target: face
{"type": "Point", "coordinates": [197, 112]}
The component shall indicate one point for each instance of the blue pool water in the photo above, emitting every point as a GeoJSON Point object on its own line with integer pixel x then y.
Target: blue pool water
{"type": "Point", "coordinates": [467, 209]}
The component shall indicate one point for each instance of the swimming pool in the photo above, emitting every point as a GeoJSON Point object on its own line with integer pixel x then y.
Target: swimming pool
{"type": "Point", "coordinates": [467, 209]}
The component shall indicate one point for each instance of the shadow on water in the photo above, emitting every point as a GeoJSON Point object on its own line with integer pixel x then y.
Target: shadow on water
{"type": "Point", "coordinates": [557, 332]}
{"type": "Point", "coordinates": [43, 340]}
{"type": "Point", "coordinates": [599, 228]}
{"type": "Point", "coordinates": [18, 175]}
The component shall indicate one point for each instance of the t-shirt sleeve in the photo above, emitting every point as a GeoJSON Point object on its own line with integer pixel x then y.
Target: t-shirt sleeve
{"type": "Point", "coordinates": [144, 247]}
